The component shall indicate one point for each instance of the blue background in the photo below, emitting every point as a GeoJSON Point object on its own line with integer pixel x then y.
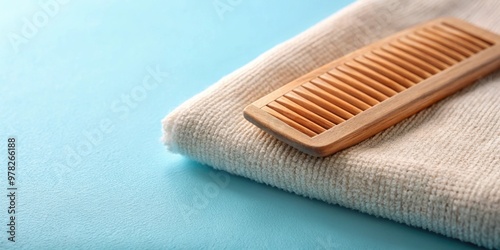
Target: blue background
{"type": "Point", "coordinates": [92, 172]}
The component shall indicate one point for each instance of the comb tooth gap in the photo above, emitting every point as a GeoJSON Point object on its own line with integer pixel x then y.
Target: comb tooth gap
{"type": "Point", "coordinates": [361, 74]}
{"type": "Point", "coordinates": [457, 57]}
{"type": "Point", "coordinates": [322, 103]}
{"type": "Point", "coordinates": [422, 64]}
{"type": "Point", "coordinates": [429, 51]}
{"type": "Point", "coordinates": [357, 83]}
{"type": "Point", "coordinates": [337, 82]}
{"type": "Point", "coordinates": [341, 94]}
{"type": "Point", "coordinates": [390, 79]}
{"type": "Point", "coordinates": [368, 77]}
{"type": "Point", "coordinates": [403, 64]}
{"type": "Point", "coordinates": [305, 112]}
{"type": "Point", "coordinates": [454, 39]}
{"type": "Point", "coordinates": [425, 33]}
{"type": "Point", "coordinates": [479, 41]}
{"type": "Point", "coordinates": [296, 117]}
{"type": "Point", "coordinates": [411, 78]}
{"type": "Point", "coordinates": [335, 119]}
{"type": "Point", "coordinates": [456, 33]}
{"type": "Point", "coordinates": [289, 122]}
{"type": "Point", "coordinates": [423, 53]}
{"type": "Point", "coordinates": [331, 98]}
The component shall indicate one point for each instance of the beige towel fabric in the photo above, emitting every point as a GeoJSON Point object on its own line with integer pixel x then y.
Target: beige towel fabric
{"type": "Point", "coordinates": [438, 170]}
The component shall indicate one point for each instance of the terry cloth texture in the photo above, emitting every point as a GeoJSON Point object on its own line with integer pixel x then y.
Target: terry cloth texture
{"type": "Point", "coordinates": [438, 170]}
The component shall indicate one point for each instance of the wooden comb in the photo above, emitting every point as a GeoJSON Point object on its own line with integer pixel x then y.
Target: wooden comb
{"type": "Point", "coordinates": [360, 94]}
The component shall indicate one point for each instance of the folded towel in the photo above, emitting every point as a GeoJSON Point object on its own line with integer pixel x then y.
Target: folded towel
{"type": "Point", "coordinates": [438, 170]}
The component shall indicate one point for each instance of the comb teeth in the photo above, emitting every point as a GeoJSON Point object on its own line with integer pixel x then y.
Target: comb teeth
{"type": "Point", "coordinates": [368, 79]}
{"type": "Point", "coordinates": [363, 80]}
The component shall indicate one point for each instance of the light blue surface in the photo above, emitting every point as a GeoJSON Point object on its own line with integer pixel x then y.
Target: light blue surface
{"type": "Point", "coordinates": [92, 172]}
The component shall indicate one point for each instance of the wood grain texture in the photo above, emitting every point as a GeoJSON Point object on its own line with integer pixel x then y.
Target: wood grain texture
{"type": "Point", "coordinates": [356, 96]}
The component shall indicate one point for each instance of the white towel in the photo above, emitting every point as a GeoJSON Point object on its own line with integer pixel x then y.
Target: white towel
{"type": "Point", "coordinates": [438, 170]}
